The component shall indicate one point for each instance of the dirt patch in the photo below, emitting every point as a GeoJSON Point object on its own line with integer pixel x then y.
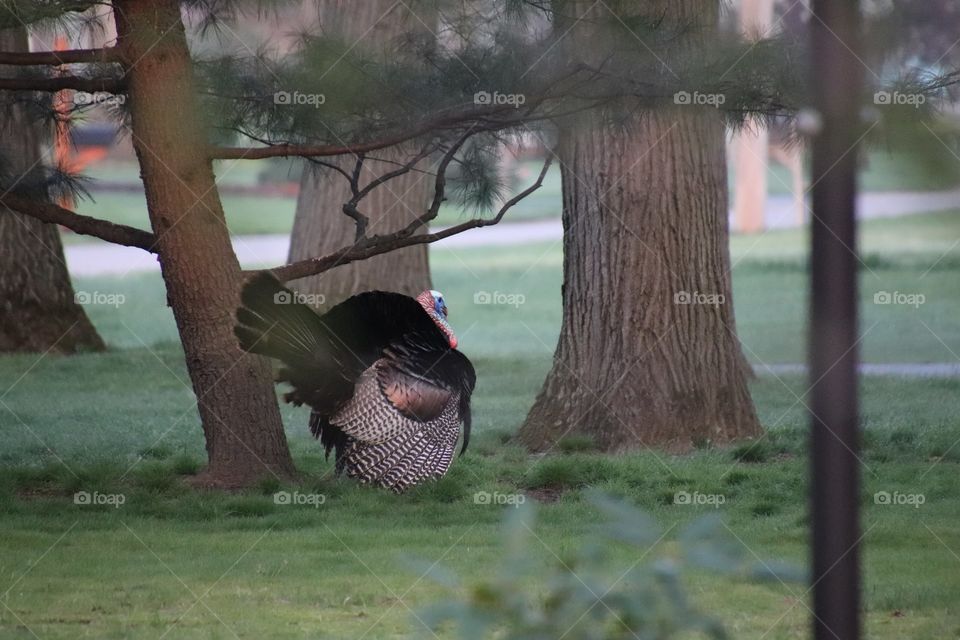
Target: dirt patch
{"type": "Point", "coordinates": [41, 492]}
{"type": "Point", "coordinates": [546, 495]}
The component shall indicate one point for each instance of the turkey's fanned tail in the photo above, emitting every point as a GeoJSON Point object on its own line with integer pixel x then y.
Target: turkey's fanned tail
{"type": "Point", "coordinates": [270, 322]}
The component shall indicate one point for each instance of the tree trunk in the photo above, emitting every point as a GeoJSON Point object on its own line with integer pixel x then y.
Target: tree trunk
{"type": "Point", "coordinates": [237, 404]}
{"type": "Point", "coordinates": [38, 309]}
{"type": "Point", "coordinates": [647, 353]}
{"type": "Point", "coordinates": [320, 227]}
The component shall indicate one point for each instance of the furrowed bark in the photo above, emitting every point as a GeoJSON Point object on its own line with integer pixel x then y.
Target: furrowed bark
{"type": "Point", "coordinates": [38, 310]}
{"type": "Point", "coordinates": [237, 404]}
{"type": "Point", "coordinates": [647, 354]}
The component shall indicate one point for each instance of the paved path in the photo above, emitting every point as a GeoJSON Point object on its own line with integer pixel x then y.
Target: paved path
{"type": "Point", "coordinates": [100, 258]}
{"type": "Point", "coordinates": [899, 369]}
{"type": "Point", "coordinates": [780, 214]}
{"type": "Point", "coordinates": [268, 250]}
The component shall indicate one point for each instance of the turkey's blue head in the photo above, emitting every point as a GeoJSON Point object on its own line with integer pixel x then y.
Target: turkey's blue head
{"type": "Point", "coordinates": [432, 302]}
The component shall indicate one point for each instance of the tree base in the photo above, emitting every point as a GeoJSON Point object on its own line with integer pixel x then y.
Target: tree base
{"type": "Point", "coordinates": [36, 329]}
{"type": "Point", "coordinates": [233, 479]}
{"type": "Point", "coordinates": [635, 415]}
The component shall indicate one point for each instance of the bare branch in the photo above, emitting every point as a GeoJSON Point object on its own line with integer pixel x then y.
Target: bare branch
{"type": "Point", "coordinates": [355, 176]}
{"type": "Point", "coordinates": [57, 58]}
{"type": "Point", "coordinates": [84, 225]}
{"type": "Point", "coordinates": [376, 245]}
{"type": "Point", "coordinates": [329, 165]}
{"type": "Point", "coordinates": [59, 83]}
{"type": "Point", "coordinates": [350, 208]}
{"type": "Point", "coordinates": [390, 175]}
{"type": "Point", "coordinates": [439, 186]}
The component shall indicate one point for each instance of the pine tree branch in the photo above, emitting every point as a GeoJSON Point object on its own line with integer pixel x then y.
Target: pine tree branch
{"type": "Point", "coordinates": [376, 245]}
{"type": "Point", "coordinates": [84, 225]}
{"type": "Point", "coordinates": [59, 83]}
{"type": "Point", "coordinates": [57, 58]}
{"type": "Point", "coordinates": [483, 119]}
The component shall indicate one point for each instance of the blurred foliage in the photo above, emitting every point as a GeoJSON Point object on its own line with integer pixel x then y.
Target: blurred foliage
{"type": "Point", "coordinates": [582, 596]}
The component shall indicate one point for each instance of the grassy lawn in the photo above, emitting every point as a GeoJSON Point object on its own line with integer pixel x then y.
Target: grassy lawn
{"type": "Point", "coordinates": [248, 214]}
{"type": "Point", "coordinates": [197, 565]}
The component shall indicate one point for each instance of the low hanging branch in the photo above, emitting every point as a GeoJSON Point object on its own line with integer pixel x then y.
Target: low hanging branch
{"type": "Point", "coordinates": [483, 118]}
{"type": "Point", "coordinates": [366, 247]}
{"type": "Point", "coordinates": [59, 83]}
{"type": "Point", "coordinates": [371, 246]}
{"type": "Point", "coordinates": [359, 193]}
{"type": "Point", "coordinates": [57, 58]}
{"type": "Point", "coordinates": [84, 225]}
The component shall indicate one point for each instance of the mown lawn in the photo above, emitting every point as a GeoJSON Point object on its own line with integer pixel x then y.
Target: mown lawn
{"type": "Point", "coordinates": [248, 214]}
{"type": "Point", "coordinates": [171, 562]}
{"type": "Point", "coordinates": [251, 214]}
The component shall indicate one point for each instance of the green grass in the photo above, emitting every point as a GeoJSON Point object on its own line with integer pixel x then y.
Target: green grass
{"type": "Point", "coordinates": [917, 254]}
{"type": "Point", "coordinates": [248, 214]}
{"type": "Point", "coordinates": [272, 570]}
{"type": "Point", "coordinates": [258, 215]}
{"type": "Point", "coordinates": [124, 423]}
{"type": "Point", "coordinates": [888, 172]}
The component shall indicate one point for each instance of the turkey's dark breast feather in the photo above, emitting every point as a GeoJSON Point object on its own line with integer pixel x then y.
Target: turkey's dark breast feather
{"type": "Point", "coordinates": [370, 326]}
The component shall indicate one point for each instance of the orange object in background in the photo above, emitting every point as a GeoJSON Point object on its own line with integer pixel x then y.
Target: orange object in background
{"type": "Point", "coordinates": [68, 156]}
{"type": "Point", "coordinates": [62, 104]}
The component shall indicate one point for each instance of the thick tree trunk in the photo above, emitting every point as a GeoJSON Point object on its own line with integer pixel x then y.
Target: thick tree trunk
{"type": "Point", "coordinates": [238, 407]}
{"type": "Point", "coordinates": [319, 226]}
{"type": "Point", "coordinates": [647, 354]}
{"type": "Point", "coordinates": [38, 310]}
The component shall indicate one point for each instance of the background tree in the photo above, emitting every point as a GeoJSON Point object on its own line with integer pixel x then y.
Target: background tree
{"type": "Point", "coordinates": [647, 353]}
{"type": "Point", "coordinates": [380, 27]}
{"type": "Point", "coordinates": [38, 311]}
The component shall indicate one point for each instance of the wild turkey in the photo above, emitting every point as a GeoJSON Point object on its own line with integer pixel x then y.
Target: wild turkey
{"type": "Point", "coordinates": [380, 370]}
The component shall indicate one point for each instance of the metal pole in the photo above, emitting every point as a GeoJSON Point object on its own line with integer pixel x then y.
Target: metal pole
{"type": "Point", "coordinates": [837, 84]}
